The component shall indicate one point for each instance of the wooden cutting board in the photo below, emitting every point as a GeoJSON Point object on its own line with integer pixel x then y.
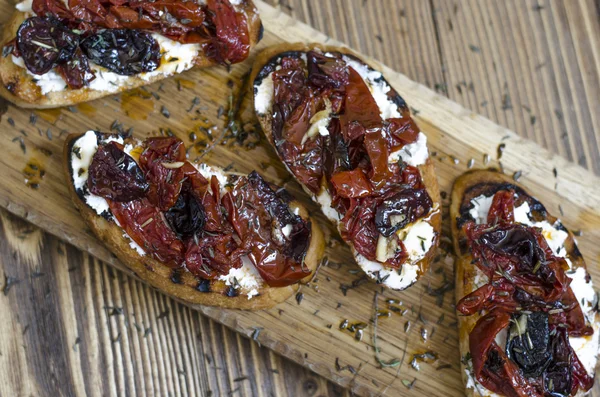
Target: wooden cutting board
{"type": "Point", "coordinates": [306, 329]}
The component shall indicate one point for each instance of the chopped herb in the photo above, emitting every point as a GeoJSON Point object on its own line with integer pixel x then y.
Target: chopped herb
{"type": "Point", "coordinates": [500, 150]}
{"type": "Point", "coordinates": [163, 314]}
{"type": "Point", "coordinates": [165, 112]}
{"type": "Point", "coordinates": [474, 48]}
{"type": "Point", "coordinates": [408, 384]}
{"type": "Point", "coordinates": [299, 297]}
{"type": "Point", "coordinates": [517, 176]}
{"type": "Point", "coordinates": [11, 121]}
{"type": "Point", "coordinates": [9, 282]}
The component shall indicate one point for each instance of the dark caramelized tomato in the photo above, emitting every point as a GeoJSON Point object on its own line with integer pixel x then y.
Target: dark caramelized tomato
{"type": "Point", "coordinates": [123, 51]}
{"type": "Point", "coordinates": [352, 160]}
{"type": "Point", "coordinates": [529, 291]}
{"type": "Point", "coordinates": [115, 175]}
{"type": "Point", "coordinates": [180, 218]}
{"type": "Point", "coordinates": [162, 162]}
{"type": "Point", "coordinates": [44, 43]}
{"type": "Point", "coordinates": [259, 217]}
{"type": "Point", "coordinates": [147, 226]}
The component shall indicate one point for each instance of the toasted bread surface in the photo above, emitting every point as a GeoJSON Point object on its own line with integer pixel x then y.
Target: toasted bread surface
{"type": "Point", "coordinates": [182, 284]}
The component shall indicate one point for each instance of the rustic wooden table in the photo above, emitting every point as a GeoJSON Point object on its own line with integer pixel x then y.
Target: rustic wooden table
{"type": "Point", "coordinates": [71, 324]}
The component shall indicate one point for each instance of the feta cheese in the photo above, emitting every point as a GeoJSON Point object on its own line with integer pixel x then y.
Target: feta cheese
{"type": "Point", "coordinates": [414, 154]}
{"type": "Point", "coordinates": [86, 147]}
{"type": "Point", "coordinates": [97, 203]}
{"type": "Point", "coordinates": [392, 278]}
{"type": "Point", "coordinates": [263, 95]}
{"type": "Point", "coordinates": [587, 347]}
{"type": "Point", "coordinates": [417, 238]}
{"type": "Point", "coordinates": [324, 198]}
{"type": "Point", "coordinates": [24, 6]}
{"type": "Point", "coordinates": [176, 57]}
{"type": "Point", "coordinates": [135, 245]}
{"type": "Point", "coordinates": [584, 291]}
{"type": "Point", "coordinates": [246, 278]}
{"type": "Point", "coordinates": [287, 230]}
{"type": "Point", "coordinates": [207, 171]}
{"type": "Point", "coordinates": [481, 208]}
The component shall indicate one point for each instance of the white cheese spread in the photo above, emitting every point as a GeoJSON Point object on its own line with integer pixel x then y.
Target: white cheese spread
{"type": "Point", "coordinates": [263, 96]}
{"type": "Point", "coordinates": [414, 154]}
{"type": "Point", "coordinates": [246, 278]}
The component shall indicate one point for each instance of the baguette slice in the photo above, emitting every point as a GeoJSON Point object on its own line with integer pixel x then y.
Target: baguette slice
{"type": "Point", "coordinates": [468, 277]}
{"type": "Point", "coordinates": [20, 88]}
{"type": "Point", "coordinates": [180, 283]}
{"type": "Point", "coordinates": [411, 270]}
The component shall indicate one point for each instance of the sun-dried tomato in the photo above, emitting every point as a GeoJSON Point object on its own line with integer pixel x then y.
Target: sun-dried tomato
{"type": "Point", "coordinates": [147, 226]}
{"type": "Point", "coordinates": [162, 162]}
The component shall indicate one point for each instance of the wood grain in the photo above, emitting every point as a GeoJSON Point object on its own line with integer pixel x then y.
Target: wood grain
{"type": "Point", "coordinates": [418, 28]}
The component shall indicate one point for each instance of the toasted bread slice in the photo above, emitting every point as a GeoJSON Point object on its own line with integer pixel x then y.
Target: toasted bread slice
{"type": "Point", "coordinates": [398, 280]}
{"type": "Point", "coordinates": [180, 283]}
{"type": "Point", "coordinates": [474, 184]}
{"type": "Point", "coordinates": [20, 87]}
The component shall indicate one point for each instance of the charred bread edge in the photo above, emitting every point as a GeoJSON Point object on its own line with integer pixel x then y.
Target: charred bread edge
{"type": "Point", "coordinates": [183, 285]}
{"type": "Point", "coordinates": [18, 87]}
{"type": "Point", "coordinates": [492, 181]}
{"type": "Point", "coordinates": [427, 170]}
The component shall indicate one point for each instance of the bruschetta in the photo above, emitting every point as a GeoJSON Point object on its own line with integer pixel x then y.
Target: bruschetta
{"type": "Point", "coordinates": [193, 231]}
{"type": "Point", "coordinates": [59, 53]}
{"type": "Point", "coordinates": [349, 139]}
{"type": "Point", "coordinates": [528, 313]}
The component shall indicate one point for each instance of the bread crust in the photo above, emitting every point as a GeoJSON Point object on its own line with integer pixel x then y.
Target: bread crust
{"type": "Point", "coordinates": [427, 170]}
{"type": "Point", "coordinates": [19, 87]}
{"type": "Point", "coordinates": [184, 288]}
{"type": "Point", "coordinates": [465, 271]}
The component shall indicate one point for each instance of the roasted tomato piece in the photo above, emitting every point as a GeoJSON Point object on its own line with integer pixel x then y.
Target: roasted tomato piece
{"type": "Point", "coordinates": [76, 72]}
{"type": "Point", "coordinates": [56, 8]}
{"type": "Point", "coordinates": [231, 43]}
{"type": "Point", "coordinates": [123, 51]}
{"type": "Point", "coordinates": [400, 132]}
{"type": "Point", "coordinates": [187, 217]}
{"type": "Point", "coordinates": [528, 343]}
{"type": "Point", "coordinates": [503, 207]}
{"type": "Point", "coordinates": [378, 152]}
{"type": "Point", "coordinates": [351, 184]}
{"type": "Point", "coordinates": [360, 106]}
{"type": "Point", "coordinates": [401, 209]}
{"type": "Point", "coordinates": [147, 226]}
{"type": "Point", "coordinates": [44, 43]}
{"type": "Point", "coordinates": [211, 256]}
{"type": "Point", "coordinates": [255, 211]}
{"type": "Point", "coordinates": [162, 162]}
{"type": "Point", "coordinates": [326, 71]}
{"type": "Point", "coordinates": [358, 226]}
{"type": "Point", "coordinates": [115, 175]}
